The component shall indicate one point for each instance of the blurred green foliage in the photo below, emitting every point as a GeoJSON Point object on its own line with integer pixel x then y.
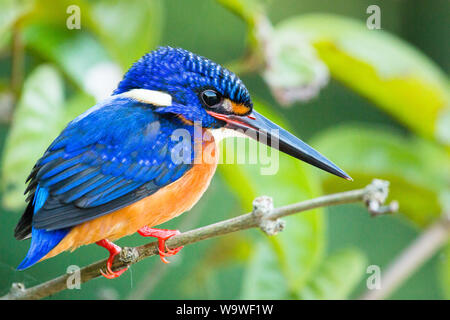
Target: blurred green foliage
{"type": "Point", "coordinates": [400, 133]}
{"type": "Point", "coordinates": [388, 71]}
{"type": "Point", "coordinates": [37, 121]}
{"type": "Point", "coordinates": [382, 153]}
{"type": "Point", "coordinates": [300, 247]}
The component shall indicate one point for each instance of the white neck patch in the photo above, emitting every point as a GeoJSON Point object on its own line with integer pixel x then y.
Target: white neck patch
{"type": "Point", "coordinates": [157, 98]}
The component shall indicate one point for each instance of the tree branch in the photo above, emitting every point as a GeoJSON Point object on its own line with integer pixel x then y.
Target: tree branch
{"type": "Point", "coordinates": [433, 238]}
{"type": "Point", "coordinates": [263, 216]}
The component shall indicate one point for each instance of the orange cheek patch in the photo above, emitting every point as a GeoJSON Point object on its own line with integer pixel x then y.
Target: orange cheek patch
{"type": "Point", "coordinates": [239, 109]}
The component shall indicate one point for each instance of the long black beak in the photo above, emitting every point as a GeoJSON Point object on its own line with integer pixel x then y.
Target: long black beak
{"type": "Point", "coordinates": [265, 131]}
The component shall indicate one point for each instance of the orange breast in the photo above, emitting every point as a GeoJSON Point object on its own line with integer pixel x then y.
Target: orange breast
{"type": "Point", "coordinates": [160, 207]}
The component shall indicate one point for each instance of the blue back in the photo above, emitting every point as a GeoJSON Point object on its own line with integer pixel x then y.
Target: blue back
{"type": "Point", "coordinates": [113, 155]}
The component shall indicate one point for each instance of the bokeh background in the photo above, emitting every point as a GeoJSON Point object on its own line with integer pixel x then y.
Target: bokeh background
{"type": "Point", "coordinates": [376, 102]}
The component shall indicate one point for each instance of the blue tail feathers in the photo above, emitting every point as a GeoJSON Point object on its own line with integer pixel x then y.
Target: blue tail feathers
{"type": "Point", "coordinates": [42, 241]}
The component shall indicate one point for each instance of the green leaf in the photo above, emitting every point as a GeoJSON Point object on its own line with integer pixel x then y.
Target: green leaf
{"type": "Point", "coordinates": [110, 32]}
{"type": "Point", "coordinates": [248, 10]}
{"type": "Point", "coordinates": [10, 12]}
{"type": "Point", "coordinates": [418, 170]}
{"type": "Point", "coordinates": [128, 29]}
{"type": "Point", "coordinates": [37, 120]}
{"type": "Point", "coordinates": [79, 56]}
{"type": "Point", "coordinates": [336, 277]}
{"type": "Point", "coordinates": [263, 278]}
{"type": "Point", "coordinates": [292, 68]}
{"type": "Point", "coordinates": [388, 71]}
{"type": "Point", "coordinates": [300, 246]}
{"type": "Point", "coordinates": [444, 272]}
{"type": "Point", "coordinates": [294, 72]}
{"type": "Point", "coordinates": [56, 12]}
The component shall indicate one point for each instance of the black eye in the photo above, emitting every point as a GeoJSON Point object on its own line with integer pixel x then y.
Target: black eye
{"type": "Point", "coordinates": [211, 98]}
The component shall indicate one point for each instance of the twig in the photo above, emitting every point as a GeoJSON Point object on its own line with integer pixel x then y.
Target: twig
{"type": "Point", "coordinates": [18, 60]}
{"type": "Point", "coordinates": [9, 98]}
{"type": "Point", "coordinates": [263, 216]}
{"type": "Point", "coordinates": [411, 258]}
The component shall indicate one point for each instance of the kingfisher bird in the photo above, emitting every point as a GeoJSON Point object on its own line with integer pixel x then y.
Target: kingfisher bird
{"type": "Point", "coordinates": [117, 169]}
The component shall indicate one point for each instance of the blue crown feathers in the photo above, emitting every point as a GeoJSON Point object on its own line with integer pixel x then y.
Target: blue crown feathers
{"type": "Point", "coordinates": [173, 69]}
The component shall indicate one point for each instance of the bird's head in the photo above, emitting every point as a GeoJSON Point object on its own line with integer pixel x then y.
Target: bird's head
{"type": "Point", "coordinates": [201, 91]}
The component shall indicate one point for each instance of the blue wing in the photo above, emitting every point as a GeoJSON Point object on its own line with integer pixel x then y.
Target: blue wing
{"type": "Point", "coordinates": [108, 158]}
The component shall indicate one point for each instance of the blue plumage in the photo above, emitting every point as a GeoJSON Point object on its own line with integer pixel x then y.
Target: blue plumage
{"type": "Point", "coordinates": [96, 160]}
{"type": "Point", "coordinates": [42, 241]}
{"type": "Point", "coordinates": [120, 156]}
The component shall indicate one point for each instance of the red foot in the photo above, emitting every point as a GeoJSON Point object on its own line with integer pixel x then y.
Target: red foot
{"type": "Point", "coordinates": [162, 235]}
{"type": "Point", "coordinates": [113, 251]}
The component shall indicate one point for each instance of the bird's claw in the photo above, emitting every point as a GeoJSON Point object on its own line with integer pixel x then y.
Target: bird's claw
{"type": "Point", "coordinates": [167, 253]}
{"type": "Point", "coordinates": [162, 235]}
{"type": "Point", "coordinates": [113, 251]}
{"type": "Point", "coordinates": [109, 274]}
